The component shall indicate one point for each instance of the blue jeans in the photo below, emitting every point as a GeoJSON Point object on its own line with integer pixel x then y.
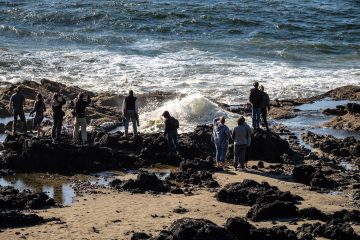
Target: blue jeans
{"type": "Point", "coordinates": [256, 117]}
{"type": "Point", "coordinates": [130, 115]}
{"type": "Point", "coordinates": [221, 151]}
{"type": "Point", "coordinates": [172, 140]}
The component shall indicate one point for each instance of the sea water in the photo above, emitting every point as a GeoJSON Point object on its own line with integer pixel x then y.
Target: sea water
{"type": "Point", "coordinates": [201, 49]}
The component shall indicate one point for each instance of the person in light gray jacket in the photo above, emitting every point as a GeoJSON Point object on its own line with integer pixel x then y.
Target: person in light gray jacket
{"type": "Point", "coordinates": [220, 137]}
{"type": "Point", "coordinates": [241, 135]}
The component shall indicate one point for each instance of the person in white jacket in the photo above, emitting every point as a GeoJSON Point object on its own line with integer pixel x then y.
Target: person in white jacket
{"type": "Point", "coordinates": [241, 135]}
{"type": "Point", "coordinates": [130, 111]}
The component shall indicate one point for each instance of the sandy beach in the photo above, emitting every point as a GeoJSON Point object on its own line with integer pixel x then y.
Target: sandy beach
{"type": "Point", "coordinates": [116, 215]}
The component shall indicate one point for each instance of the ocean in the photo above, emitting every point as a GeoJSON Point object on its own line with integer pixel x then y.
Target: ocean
{"type": "Point", "coordinates": [212, 48]}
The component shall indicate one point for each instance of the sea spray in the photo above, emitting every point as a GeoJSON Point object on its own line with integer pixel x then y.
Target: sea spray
{"type": "Point", "coordinates": [190, 110]}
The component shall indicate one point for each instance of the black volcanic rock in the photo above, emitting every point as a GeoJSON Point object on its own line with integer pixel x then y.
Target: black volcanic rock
{"type": "Point", "coordinates": [250, 192]}
{"type": "Point", "coordinates": [239, 228]}
{"type": "Point", "coordinates": [143, 183]}
{"type": "Point", "coordinates": [194, 229]}
{"type": "Point", "coordinates": [334, 229]}
{"type": "Point", "coordinates": [11, 198]}
{"type": "Point", "coordinates": [268, 146]}
{"type": "Point", "coordinates": [16, 219]}
{"type": "Point", "coordinates": [270, 211]}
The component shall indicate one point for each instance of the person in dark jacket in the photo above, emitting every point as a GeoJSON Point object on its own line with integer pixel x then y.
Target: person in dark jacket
{"type": "Point", "coordinates": [58, 115]}
{"type": "Point", "coordinates": [265, 106]}
{"type": "Point", "coordinates": [130, 112]}
{"type": "Point", "coordinates": [171, 127]}
{"type": "Point", "coordinates": [81, 102]}
{"type": "Point", "coordinates": [255, 99]}
{"type": "Point", "coordinates": [241, 135]}
{"type": "Point", "coordinates": [16, 105]}
{"type": "Point", "coordinates": [39, 109]}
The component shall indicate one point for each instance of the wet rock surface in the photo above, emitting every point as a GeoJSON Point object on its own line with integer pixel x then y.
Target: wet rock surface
{"type": "Point", "coordinates": [11, 198]}
{"type": "Point", "coordinates": [312, 176]}
{"type": "Point", "coordinates": [145, 182]}
{"type": "Point", "coordinates": [250, 192]}
{"type": "Point", "coordinates": [330, 145]}
{"type": "Point", "coordinates": [12, 202]}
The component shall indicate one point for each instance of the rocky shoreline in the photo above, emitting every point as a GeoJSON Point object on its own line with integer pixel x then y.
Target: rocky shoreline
{"type": "Point", "coordinates": [279, 155]}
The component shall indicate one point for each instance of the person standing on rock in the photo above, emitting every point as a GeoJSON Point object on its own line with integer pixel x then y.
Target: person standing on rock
{"type": "Point", "coordinates": [39, 109]}
{"type": "Point", "coordinates": [16, 105]}
{"type": "Point", "coordinates": [58, 115]}
{"type": "Point", "coordinates": [130, 112]}
{"type": "Point", "coordinates": [81, 102]}
{"type": "Point", "coordinates": [265, 106]}
{"type": "Point", "coordinates": [220, 137]}
{"type": "Point", "coordinates": [241, 135]}
{"type": "Point", "coordinates": [171, 127]}
{"type": "Point", "coordinates": [255, 99]}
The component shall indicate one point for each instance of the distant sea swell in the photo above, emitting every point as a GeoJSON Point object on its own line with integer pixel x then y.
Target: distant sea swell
{"type": "Point", "coordinates": [217, 48]}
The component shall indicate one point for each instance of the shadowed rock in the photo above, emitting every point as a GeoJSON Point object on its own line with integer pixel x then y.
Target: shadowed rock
{"type": "Point", "coordinates": [17, 219]}
{"type": "Point", "coordinates": [143, 183]}
{"type": "Point", "coordinates": [333, 229]}
{"type": "Point", "coordinates": [250, 192]}
{"type": "Point", "coordinates": [194, 229]}
{"type": "Point", "coordinates": [270, 211]}
{"type": "Point", "coordinates": [11, 198]}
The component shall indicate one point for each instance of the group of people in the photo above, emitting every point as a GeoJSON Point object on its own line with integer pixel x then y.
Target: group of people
{"type": "Point", "coordinates": [17, 102]}
{"type": "Point", "coordinates": [129, 109]}
{"type": "Point", "coordinates": [241, 134]}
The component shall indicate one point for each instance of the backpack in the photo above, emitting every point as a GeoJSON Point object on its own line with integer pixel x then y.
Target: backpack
{"type": "Point", "coordinates": [174, 123]}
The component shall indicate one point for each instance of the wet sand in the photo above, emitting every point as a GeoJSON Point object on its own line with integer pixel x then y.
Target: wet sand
{"type": "Point", "coordinates": [115, 215]}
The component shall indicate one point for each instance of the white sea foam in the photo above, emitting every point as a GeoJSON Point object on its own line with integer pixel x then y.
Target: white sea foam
{"type": "Point", "coordinates": [191, 110]}
{"type": "Point", "coordinates": [187, 70]}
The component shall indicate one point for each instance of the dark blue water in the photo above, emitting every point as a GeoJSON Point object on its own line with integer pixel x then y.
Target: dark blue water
{"type": "Point", "coordinates": [295, 48]}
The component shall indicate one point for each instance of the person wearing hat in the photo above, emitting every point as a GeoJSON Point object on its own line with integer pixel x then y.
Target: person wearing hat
{"type": "Point", "coordinates": [16, 105]}
{"type": "Point", "coordinates": [171, 127]}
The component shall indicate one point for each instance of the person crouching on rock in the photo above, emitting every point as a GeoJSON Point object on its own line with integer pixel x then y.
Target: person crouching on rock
{"type": "Point", "coordinates": [265, 106]}
{"type": "Point", "coordinates": [220, 137]}
{"type": "Point", "coordinates": [58, 115]}
{"type": "Point", "coordinates": [81, 102]}
{"type": "Point", "coordinates": [171, 127]}
{"type": "Point", "coordinates": [130, 112]}
{"type": "Point", "coordinates": [16, 104]}
{"type": "Point", "coordinates": [241, 135]}
{"type": "Point", "coordinates": [39, 109]}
